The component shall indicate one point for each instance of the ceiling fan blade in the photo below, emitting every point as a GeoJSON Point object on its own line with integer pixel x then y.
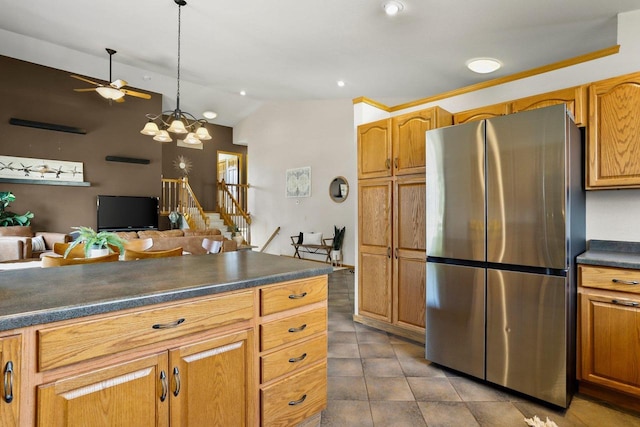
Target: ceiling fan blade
{"type": "Point", "coordinates": [120, 99]}
{"type": "Point", "coordinates": [85, 90]}
{"type": "Point", "coordinates": [136, 94]}
{"type": "Point", "coordinates": [118, 84]}
{"type": "Point", "coordinates": [86, 80]}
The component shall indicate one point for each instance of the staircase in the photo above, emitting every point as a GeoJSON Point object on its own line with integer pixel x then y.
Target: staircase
{"type": "Point", "coordinates": [215, 221]}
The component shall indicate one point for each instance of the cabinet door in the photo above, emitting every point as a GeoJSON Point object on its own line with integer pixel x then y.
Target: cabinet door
{"type": "Point", "coordinates": [131, 394]}
{"type": "Point", "coordinates": [481, 113]}
{"type": "Point", "coordinates": [409, 141]}
{"type": "Point", "coordinates": [210, 382]}
{"type": "Point", "coordinates": [374, 149]}
{"type": "Point", "coordinates": [10, 384]}
{"type": "Point", "coordinates": [610, 346]}
{"type": "Point", "coordinates": [409, 268]}
{"type": "Point", "coordinates": [613, 140]}
{"type": "Point", "coordinates": [374, 231]}
{"type": "Point", "coordinates": [574, 98]}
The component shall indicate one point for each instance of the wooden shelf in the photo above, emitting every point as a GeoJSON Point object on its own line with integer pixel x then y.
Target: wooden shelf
{"type": "Point", "coordinates": [46, 182]}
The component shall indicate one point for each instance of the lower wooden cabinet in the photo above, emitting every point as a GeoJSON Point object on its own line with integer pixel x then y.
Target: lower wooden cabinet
{"type": "Point", "coordinates": [204, 383]}
{"type": "Point", "coordinates": [11, 364]}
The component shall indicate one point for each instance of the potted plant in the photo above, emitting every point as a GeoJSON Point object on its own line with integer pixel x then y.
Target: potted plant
{"type": "Point", "coordinates": [95, 243]}
{"type": "Point", "coordinates": [8, 218]}
{"type": "Point", "coordinates": [235, 234]}
{"type": "Point", "coordinates": [336, 246]}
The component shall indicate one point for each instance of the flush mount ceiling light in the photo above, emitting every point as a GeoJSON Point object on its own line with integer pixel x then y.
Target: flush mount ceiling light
{"type": "Point", "coordinates": [179, 122]}
{"type": "Point", "coordinates": [210, 115]}
{"type": "Point", "coordinates": [392, 7]}
{"type": "Point", "coordinates": [483, 65]}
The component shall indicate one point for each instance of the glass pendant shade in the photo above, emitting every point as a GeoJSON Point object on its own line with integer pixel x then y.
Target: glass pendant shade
{"type": "Point", "coordinates": [177, 127]}
{"type": "Point", "coordinates": [150, 129]}
{"type": "Point", "coordinates": [203, 134]}
{"type": "Point", "coordinates": [162, 136]}
{"type": "Point", "coordinates": [191, 139]}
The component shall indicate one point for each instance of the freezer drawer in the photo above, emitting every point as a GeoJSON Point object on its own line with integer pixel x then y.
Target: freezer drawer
{"type": "Point", "coordinates": [527, 334]}
{"type": "Point", "coordinates": [455, 317]}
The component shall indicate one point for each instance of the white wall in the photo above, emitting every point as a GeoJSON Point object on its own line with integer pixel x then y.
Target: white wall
{"type": "Point", "coordinates": [287, 135]}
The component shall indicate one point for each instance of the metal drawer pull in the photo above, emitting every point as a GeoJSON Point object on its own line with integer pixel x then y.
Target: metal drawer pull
{"type": "Point", "coordinates": [627, 303]}
{"type": "Point", "coordinates": [176, 376]}
{"type": "Point", "coordinates": [387, 163]}
{"type": "Point", "coordinates": [395, 162]}
{"type": "Point", "coordinates": [163, 380]}
{"type": "Point", "coordinates": [168, 325]}
{"type": "Point", "coordinates": [8, 382]}
{"type": "Point", "coordinates": [625, 282]}
{"type": "Point", "coordinates": [298, 359]}
{"type": "Point", "coordinates": [299, 401]}
{"type": "Point", "coordinates": [302, 295]}
{"type": "Point", "coordinates": [300, 329]}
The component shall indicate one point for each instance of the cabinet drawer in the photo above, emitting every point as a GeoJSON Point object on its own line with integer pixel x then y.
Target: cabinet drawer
{"type": "Point", "coordinates": [614, 279]}
{"type": "Point", "coordinates": [293, 358]}
{"type": "Point", "coordinates": [296, 398]}
{"type": "Point", "coordinates": [65, 345]}
{"type": "Point", "coordinates": [292, 295]}
{"type": "Point", "coordinates": [289, 329]}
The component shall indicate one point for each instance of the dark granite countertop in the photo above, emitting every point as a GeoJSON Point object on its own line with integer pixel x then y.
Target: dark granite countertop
{"type": "Point", "coordinates": [41, 295]}
{"type": "Point", "coordinates": [611, 254]}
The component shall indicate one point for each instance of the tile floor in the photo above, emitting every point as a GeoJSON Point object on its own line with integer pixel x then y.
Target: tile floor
{"type": "Point", "coordinates": [378, 379]}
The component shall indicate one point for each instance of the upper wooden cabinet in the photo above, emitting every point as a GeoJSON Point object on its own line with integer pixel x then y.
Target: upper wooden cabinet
{"type": "Point", "coordinates": [482, 113]}
{"type": "Point", "coordinates": [396, 146]}
{"type": "Point", "coordinates": [574, 98]}
{"type": "Point", "coordinates": [613, 140]}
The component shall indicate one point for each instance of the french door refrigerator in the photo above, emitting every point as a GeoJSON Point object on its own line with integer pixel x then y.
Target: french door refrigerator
{"type": "Point", "coordinates": [505, 222]}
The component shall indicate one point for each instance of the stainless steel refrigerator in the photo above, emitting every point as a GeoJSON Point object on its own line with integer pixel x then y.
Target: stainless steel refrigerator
{"type": "Point", "coordinates": [505, 222]}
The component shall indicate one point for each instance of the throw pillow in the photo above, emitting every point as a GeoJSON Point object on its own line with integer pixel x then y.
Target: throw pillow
{"type": "Point", "coordinates": [37, 244]}
{"type": "Point", "coordinates": [312, 238]}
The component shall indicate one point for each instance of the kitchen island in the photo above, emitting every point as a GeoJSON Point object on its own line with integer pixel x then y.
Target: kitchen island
{"type": "Point", "coordinates": [237, 337]}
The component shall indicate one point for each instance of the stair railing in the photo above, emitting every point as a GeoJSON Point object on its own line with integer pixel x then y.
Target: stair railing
{"type": "Point", "coordinates": [232, 199]}
{"type": "Point", "coordinates": [177, 195]}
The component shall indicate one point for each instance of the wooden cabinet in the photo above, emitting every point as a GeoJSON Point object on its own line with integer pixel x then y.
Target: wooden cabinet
{"type": "Point", "coordinates": [293, 351]}
{"type": "Point", "coordinates": [613, 140]}
{"type": "Point", "coordinates": [481, 113]}
{"type": "Point", "coordinates": [391, 226]}
{"type": "Point", "coordinates": [609, 320]}
{"type": "Point", "coordinates": [575, 98]}
{"type": "Point", "coordinates": [396, 146]}
{"type": "Point", "coordinates": [11, 364]}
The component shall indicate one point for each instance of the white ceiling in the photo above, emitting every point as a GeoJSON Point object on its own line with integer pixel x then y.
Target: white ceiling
{"type": "Point", "coordinates": [298, 49]}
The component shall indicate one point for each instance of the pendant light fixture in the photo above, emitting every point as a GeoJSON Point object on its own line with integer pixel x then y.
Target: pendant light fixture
{"type": "Point", "coordinates": [178, 122]}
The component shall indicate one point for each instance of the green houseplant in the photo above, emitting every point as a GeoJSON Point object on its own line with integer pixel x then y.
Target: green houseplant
{"type": "Point", "coordinates": [8, 218]}
{"type": "Point", "coordinates": [95, 240]}
{"type": "Point", "coordinates": [336, 245]}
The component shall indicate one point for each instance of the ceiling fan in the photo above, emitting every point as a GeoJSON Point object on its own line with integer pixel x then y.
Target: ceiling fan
{"type": "Point", "coordinates": [114, 90]}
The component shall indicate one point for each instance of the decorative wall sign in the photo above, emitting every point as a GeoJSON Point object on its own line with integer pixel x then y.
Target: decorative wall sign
{"type": "Point", "coordinates": [24, 168]}
{"type": "Point", "coordinates": [298, 182]}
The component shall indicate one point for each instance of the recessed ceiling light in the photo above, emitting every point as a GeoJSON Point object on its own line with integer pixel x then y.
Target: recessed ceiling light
{"type": "Point", "coordinates": [483, 65]}
{"type": "Point", "coordinates": [341, 83]}
{"type": "Point", "coordinates": [243, 93]}
{"type": "Point", "coordinates": [392, 7]}
{"type": "Point", "coordinates": [210, 115]}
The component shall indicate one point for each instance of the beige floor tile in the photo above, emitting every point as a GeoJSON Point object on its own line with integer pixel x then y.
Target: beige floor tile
{"type": "Point", "coordinates": [475, 391]}
{"type": "Point", "coordinates": [592, 414]}
{"type": "Point", "coordinates": [376, 350]}
{"type": "Point", "coordinates": [344, 350]}
{"type": "Point", "coordinates": [382, 368]}
{"type": "Point", "coordinates": [396, 414]}
{"type": "Point", "coordinates": [339, 367]}
{"type": "Point", "coordinates": [346, 388]}
{"type": "Point", "coordinates": [409, 350]}
{"type": "Point", "coordinates": [381, 388]}
{"type": "Point", "coordinates": [341, 325]}
{"type": "Point", "coordinates": [343, 413]}
{"type": "Point", "coordinates": [342, 337]}
{"type": "Point", "coordinates": [433, 389]}
{"type": "Point", "coordinates": [447, 414]}
{"type": "Point", "coordinates": [367, 337]}
{"type": "Point", "coordinates": [414, 367]}
{"type": "Point", "coordinates": [496, 414]}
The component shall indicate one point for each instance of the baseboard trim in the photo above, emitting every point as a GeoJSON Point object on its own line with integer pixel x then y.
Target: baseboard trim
{"type": "Point", "coordinates": [611, 396]}
{"type": "Point", "coordinates": [393, 329]}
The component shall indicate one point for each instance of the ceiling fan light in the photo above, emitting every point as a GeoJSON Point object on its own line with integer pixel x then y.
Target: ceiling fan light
{"type": "Point", "coordinates": [109, 92]}
{"type": "Point", "coordinates": [150, 129]}
{"type": "Point", "coordinates": [203, 134]}
{"type": "Point", "coordinates": [162, 136]}
{"type": "Point", "coordinates": [177, 127]}
{"type": "Point", "coordinates": [191, 139]}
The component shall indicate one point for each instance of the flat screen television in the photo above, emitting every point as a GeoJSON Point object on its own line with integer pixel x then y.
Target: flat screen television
{"type": "Point", "coordinates": [127, 213]}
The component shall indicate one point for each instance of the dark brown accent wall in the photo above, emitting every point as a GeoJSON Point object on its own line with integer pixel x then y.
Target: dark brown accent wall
{"type": "Point", "coordinates": [33, 92]}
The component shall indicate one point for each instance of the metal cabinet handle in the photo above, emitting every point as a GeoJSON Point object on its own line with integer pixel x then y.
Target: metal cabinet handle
{"type": "Point", "coordinates": [625, 282]}
{"type": "Point", "coordinates": [300, 329]}
{"type": "Point", "coordinates": [627, 303]}
{"type": "Point", "coordinates": [299, 401]}
{"type": "Point", "coordinates": [298, 359]}
{"type": "Point", "coordinates": [8, 382]}
{"type": "Point", "coordinates": [176, 377]}
{"type": "Point", "coordinates": [298, 296]}
{"type": "Point", "coordinates": [395, 162]}
{"type": "Point", "coordinates": [165, 387]}
{"type": "Point", "coordinates": [387, 163]}
{"type": "Point", "coordinates": [168, 325]}
{"type": "Point", "coordinates": [389, 252]}
{"type": "Point", "coordinates": [396, 253]}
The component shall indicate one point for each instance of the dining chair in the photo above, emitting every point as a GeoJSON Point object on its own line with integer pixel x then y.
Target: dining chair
{"type": "Point", "coordinates": [139, 245]}
{"type": "Point", "coordinates": [58, 261]}
{"type": "Point", "coordinates": [76, 252]}
{"type": "Point", "coordinates": [212, 246]}
{"type": "Point", "coordinates": [130, 255]}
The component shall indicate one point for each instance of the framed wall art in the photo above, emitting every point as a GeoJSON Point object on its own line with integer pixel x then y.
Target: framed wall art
{"type": "Point", "coordinates": [298, 182]}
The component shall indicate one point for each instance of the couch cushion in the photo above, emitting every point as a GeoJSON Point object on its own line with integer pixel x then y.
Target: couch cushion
{"type": "Point", "coordinates": [16, 230]}
{"type": "Point", "coordinates": [127, 235]}
{"type": "Point", "coordinates": [202, 232]}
